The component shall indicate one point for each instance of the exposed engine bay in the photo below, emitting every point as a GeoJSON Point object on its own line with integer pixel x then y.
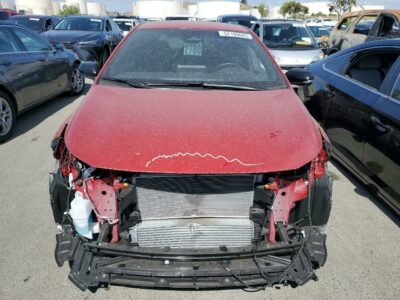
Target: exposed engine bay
{"type": "Point", "coordinates": [186, 230]}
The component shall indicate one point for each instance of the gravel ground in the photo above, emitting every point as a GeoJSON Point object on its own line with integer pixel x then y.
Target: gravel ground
{"type": "Point", "coordinates": [363, 236]}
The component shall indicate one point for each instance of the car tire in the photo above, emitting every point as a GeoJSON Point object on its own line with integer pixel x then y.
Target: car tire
{"type": "Point", "coordinates": [77, 81]}
{"type": "Point", "coordinates": [105, 56]}
{"type": "Point", "coordinates": [7, 117]}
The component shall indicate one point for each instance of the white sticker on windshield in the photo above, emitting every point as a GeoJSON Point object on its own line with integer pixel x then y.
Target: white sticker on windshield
{"type": "Point", "coordinates": [240, 35]}
{"type": "Point", "coordinates": [193, 49]}
{"type": "Point", "coordinates": [95, 20]}
{"type": "Point", "coordinates": [128, 24]}
{"type": "Point", "coordinates": [34, 19]}
{"type": "Point", "coordinates": [298, 25]}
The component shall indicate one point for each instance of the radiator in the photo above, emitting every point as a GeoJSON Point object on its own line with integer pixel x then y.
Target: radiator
{"type": "Point", "coordinates": [194, 211]}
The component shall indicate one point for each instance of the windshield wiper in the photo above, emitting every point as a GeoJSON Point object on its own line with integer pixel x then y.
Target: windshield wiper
{"type": "Point", "coordinates": [203, 85]}
{"type": "Point", "coordinates": [132, 83]}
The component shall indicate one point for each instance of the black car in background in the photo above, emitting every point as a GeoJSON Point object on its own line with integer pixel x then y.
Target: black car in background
{"type": "Point", "coordinates": [92, 38]}
{"type": "Point", "coordinates": [244, 20]}
{"type": "Point", "coordinates": [355, 96]}
{"type": "Point", "coordinates": [35, 23]}
{"type": "Point", "coordinates": [32, 71]}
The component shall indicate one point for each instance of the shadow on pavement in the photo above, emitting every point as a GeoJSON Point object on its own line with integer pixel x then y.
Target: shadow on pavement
{"type": "Point", "coordinates": [368, 192]}
{"type": "Point", "coordinates": [35, 116]}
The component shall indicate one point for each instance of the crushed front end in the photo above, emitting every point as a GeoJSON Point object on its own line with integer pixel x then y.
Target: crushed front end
{"type": "Point", "coordinates": [189, 231]}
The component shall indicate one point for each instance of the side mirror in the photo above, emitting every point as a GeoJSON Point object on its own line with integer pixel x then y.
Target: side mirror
{"type": "Point", "coordinates": [299, 77]}
{"type": "Point", "coordinates": [59, 47]}
{"type": "Point", "coordinates": [330, 51]}
{"type": "Point", "coordinates": [89, 69]}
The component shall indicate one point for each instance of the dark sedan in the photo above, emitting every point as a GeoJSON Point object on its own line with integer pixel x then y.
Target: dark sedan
{"type": "Point", "coordinates": [92, 38]}
{"type": "Point", "coordinates": [37, 24]}
{"type": "Point", "coordinates": [356, 97]}
{"type": "Point", "coordinates": [31, 72]}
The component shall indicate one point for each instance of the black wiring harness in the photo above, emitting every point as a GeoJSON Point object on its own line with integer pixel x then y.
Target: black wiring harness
{"type": "Point", "coordinates": [268, 283]}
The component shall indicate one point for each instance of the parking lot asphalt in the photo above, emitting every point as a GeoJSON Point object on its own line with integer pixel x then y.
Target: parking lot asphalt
{"type": "Point", "coordinates": [363, 235]}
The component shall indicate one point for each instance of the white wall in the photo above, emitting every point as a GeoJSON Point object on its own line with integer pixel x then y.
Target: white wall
{"type": "Point", "coordinates": [96, 9]}
{"type": "Point", "coordinates": [192, 10]}
{"type": "Point", "coordinates": [213, 9]}
{"type": "Point", "coordinates": [56, 8]}
{"type": "Point", "coordinates": [36, 7]}
{"type": "Point", "coordinates": [7, 5]}
{"type": "Point", "coordinates": [158, 8]}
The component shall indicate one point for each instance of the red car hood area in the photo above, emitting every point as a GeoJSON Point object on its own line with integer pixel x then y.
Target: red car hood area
{"type": "Point", "coordinates": [192, 131]}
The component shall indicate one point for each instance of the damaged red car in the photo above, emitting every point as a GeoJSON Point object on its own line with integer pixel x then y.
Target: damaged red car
{"type": "Point", "coordinates": [191, 164]}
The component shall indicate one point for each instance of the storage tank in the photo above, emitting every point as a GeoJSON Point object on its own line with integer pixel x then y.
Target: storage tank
{"type": "Point", "coordinates": [192, 10]}
{"type": "Point", "coordinates": [213, 9]}
{"type": "Point", "coordinates": [158, 8]}
{"type": "Point", "coordinates": [96, 9]}
{"type": "Point", "coordinates": [56, 8]}
{"type": "Point", "coordinates": [81, 4]}
{"type": "Point", "coordinates": [36, 7]}
{"type": "Point", "coordinates": [7, 5]}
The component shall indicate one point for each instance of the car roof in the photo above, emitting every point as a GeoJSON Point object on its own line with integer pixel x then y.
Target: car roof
{"type": "Point", "coordinates": [237, 16]}
{"type": "Point", "coordinates": [265, 21]}
{"type": "Point", "coordinates": [193, 25]}
{"type": "Point", "coordinates": [88, 17]}
{"type": "Point", "coordinates": [125, 20]}
{"type": "Point", "coordinates": [377, 43]}
{"type": "Point", "coordinates": [371, 11]}
{"type": "Point", "coordinates": [30, 16]}
{"type": "Point", "coordinates": [8, 24]}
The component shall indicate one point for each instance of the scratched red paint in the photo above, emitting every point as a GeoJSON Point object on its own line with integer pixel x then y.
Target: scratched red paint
{"type": "Point", "coordinates": [192, 131]}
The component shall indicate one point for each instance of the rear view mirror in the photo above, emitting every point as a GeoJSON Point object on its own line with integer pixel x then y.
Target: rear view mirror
{"type": "Point", "coordinates": [89, 69]}
{"type": "Point", "coordinates": [299, 77]}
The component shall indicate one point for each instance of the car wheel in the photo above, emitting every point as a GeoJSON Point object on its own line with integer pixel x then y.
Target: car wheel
{"type": "Point", "coordinates": [106, 54]}
{"type": "Point", "coordinates": [7, 117]}
{"type": "Point", "coordinates": [77, 81]}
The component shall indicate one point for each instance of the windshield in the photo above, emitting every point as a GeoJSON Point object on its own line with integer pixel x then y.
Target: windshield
{"type": "Point", "coordinates": [31, 23]}
{"type": "Point", "coordinates": [288, 35]}
{"type": "Point", "coordinates": [319, 31]}
{"type": "Point", "coordinates": [82, 24]}
{"type": "Point", "coordinates": [243, 22]}
{"type": "Point", "coordinates": [179, 57]}
{"type": "Point", "coordinates": [124, 25]}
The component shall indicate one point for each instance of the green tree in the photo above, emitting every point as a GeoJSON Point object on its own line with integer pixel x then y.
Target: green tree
{"type": "Point", "coordinates": [341, 6]}
{"type": "Point", "coordinates": [293, 9]}
{"type": "Point", "coordinates": [263, 10]}
{"type": "Point", "coordinates": [69, 10]}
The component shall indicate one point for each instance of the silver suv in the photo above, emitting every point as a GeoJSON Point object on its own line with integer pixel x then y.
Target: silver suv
{"type": "Point", "coordinates": [290, 42]}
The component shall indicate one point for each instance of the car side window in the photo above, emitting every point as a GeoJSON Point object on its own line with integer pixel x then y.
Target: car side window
{"type": "Point", "coordinates": [389, 26]}
{"type": "Point", "coordinates": [257, 29]}
{"type": "Point", "coordinates": [396, 90]}
{"type": "Point", "coordinates": [108, 26]}
{"type": "Point", "coordinates": [365, 24]}
{"type": "Point", "coordinates": [371, 69]}
{"type": "Point", "coordinates": [7, 42]}
{"type": "Point", "coordinates": [346, 23]}
{"type": "Point", "coordinates": [48, 25]}
{"type": "Point", "coordinates": [114, 26]}
{"type": "Point", "coordinates": [31, 42]}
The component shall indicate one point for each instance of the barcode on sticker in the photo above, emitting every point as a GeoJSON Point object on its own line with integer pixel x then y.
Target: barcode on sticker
{"type": "Point", "coordinates": [240, 35]}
